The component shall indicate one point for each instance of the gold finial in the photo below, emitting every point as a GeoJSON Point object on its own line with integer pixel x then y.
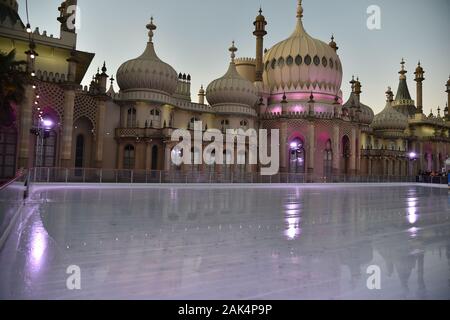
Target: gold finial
{"type": "Point", "coordinates": [233, 51]}
{"type": "Point", "coordinates": [151, 27]}
{"type": "Point", "coordinates": [403, 72]}
{"type": "Point", "coordinates": [299, 9]}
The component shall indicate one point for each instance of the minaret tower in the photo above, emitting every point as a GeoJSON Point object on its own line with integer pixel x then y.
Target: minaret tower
{"type": "Point", "coordinates": [260, 31]}
{"type": "Point", "coordinates": [448, 91]}
{"type": "Point", "coordinates": [419, 79]}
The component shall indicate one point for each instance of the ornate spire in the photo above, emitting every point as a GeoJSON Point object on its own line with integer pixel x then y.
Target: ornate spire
{"type": "Point", "coordinates": [358, 87]}
{"type": "Point", "coordinates": [151, 27]}
{"type": "Point", "coordinates": [353, 82]}
{"type": "Point", "coordinates": [284, 101]}
{"type": "Point", "coordinates": [403, 72]}
{"type": "Point", "coordinates": [333, 44]}
{"type": "Point", "coordinates": [299, 10]}
{"type": "Point", "coordinates": [233, 51]}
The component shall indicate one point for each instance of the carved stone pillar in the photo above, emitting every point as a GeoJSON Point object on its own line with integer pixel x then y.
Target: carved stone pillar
{"type": "Point", "coordinates": [101, 115]}
{"type": "Point", "coordinates": [336, 150]}
{"type": "Point", "coordinates": [67, 129]}
{"type": "Point", "coordinates": [26, 121]}
{"type": "Point", "coordinates": [311, 147]}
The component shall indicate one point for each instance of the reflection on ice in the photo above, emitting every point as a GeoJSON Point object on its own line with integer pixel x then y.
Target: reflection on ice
{"type": "Point", "coordinates": [239, 243]}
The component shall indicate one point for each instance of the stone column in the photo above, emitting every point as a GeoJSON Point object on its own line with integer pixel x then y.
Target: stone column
{"type": "Point", "coordinates": [148, 157]}
{"type": "Point", "coordinates": [26, 122]}
{"type": "Point", "coordinates": [336, 150]}
{"type": "Point", "coordinates": [311, 147]}
{"type": "Point", "coordinates": [421, 156]}
{"type": "Point", "coordinates": [120, 154]}
{"type": "Point", "coordinates": [284, 167]}
{"type": "Point", "coordinates": [167, 159]}
{"type": "Point", "coordinates": [353, 153]}
{"type": "Point", "coordinates": [100, 132]}
{"type": "Point", "coordinates": [358, 152]}
{"type": "Point", "coordinates": [67, 130]}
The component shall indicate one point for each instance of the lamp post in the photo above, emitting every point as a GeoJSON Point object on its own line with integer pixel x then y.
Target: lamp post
{"type": "Point", "coordinates": [412, 158]}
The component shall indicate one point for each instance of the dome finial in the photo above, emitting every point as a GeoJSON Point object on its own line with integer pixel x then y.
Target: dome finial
{"type": "Point", "coordinates": [299, 9]}
{"type": "Point", "coordinates": [151, 27]}
{"type": "Point", "coordinates": [233, 51]}
{"type": "Point", "coordinates": [403, 72]}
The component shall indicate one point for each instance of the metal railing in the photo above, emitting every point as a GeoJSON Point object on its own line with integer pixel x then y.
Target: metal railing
{"type": "Point", "coordinates": [65, 175]}
{"type": "Point", "coordinates": [12, 195]}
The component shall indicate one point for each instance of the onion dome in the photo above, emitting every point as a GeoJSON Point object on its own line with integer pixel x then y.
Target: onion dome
{"type": "Point", "coordinates": [232, 88]}
{"type": "Point", "coordinates": [148, 72]}
{"type": "Point", "coordinates": [302, 63]}
{"type": "Point", "coordinates": [367, 115]}
{"type": "Point", "coordinates": [389, 118]}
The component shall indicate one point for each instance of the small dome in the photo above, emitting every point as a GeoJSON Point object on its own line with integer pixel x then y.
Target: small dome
{"type": "Point", "coordinates": [302, 63]}
{"type": "Point", "coordinates": [389, 118]}
{"type": "Point", "coordinates": [367, 114]}
{"type": "Point", "coordinates": [147, 72]}
{"type": "Point", "coordinates": [232, 88]}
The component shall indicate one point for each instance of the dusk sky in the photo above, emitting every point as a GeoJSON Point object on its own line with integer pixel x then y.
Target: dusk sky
{"type": "Point", "coordinates": [193, 36]}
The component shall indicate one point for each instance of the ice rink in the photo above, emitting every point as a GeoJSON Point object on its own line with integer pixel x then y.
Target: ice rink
{"type": "Point", "coordinates": [205, 242]}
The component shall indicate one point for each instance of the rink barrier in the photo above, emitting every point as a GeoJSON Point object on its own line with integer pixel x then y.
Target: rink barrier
{"type": "Point", "coordinates": [12, 197]}
{"type": "Point", "coordinates": [102, 176]}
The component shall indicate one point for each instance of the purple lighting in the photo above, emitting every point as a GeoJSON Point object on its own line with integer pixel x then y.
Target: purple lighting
{"type": "Point", "coordinates": [47, 123]}
{"type": "Point", "coordinates": [413, 155]}
{"type": "Point", "coordinates": [294, 145]}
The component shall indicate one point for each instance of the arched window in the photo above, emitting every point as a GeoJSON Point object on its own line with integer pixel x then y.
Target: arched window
{"type": "Point", "coordinates": [346, 154]}
{"type": "Point", "coordinates": [131, 118]}
{"type": "Point", "coordinates": [129, 158]}
{"type": "Point", "coordinates": [244, 124]}
{"type": "Point", "coordinates": [155, 158]}
{"type": "Point", "coordinates": [297, 157]}
{"type": "Point", "coordinates": [46, 145]}
{"type": "Point", "coordinates": [155, 118]}
{"type": "Point", "coordinates": [328, 160]}
{"type": "Point", "coordinates": [79, 151]}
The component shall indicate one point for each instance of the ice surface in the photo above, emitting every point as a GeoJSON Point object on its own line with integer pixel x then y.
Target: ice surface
{"type": "Point", "coordinates": [231, 243]}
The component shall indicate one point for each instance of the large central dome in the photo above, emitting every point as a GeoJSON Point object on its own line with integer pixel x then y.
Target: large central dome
{"type": "Point", "coordinates": [303, 64]}
{"type": "Point", "coordinates": [148, 72]}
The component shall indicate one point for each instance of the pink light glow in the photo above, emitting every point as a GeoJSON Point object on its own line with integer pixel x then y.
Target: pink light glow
{"type": "Point", "coordinates": [276, 110]}
{"type": "Point", "coordinates": [295, 96]}
{"type": "Point", "coordinates": [297, 109]}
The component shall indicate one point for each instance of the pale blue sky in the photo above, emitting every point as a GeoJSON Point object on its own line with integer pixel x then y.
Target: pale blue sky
{"type": "Point", "coordinates": [193, 36]}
